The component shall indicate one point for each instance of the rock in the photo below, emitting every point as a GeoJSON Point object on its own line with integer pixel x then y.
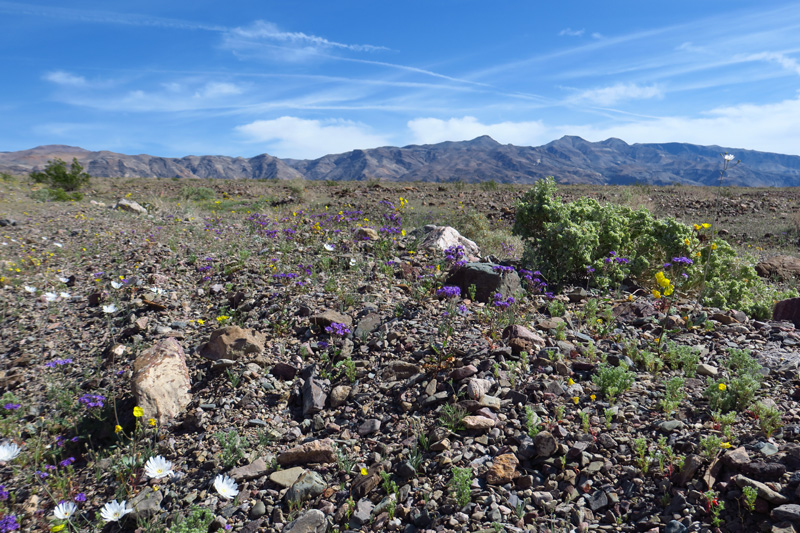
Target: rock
{"type": "Point", "coordinates": [706, 370]}
{"type": "Point", "coordinates": [598, 500]}
{"type": "Point", "coordinates": [788, 310]}
{"type": "Point", "coordinates": [463, 372]}
{"type": "Point", "coordinates": [764, 492]}
{"type": "Point", "coordinates": [783, 527]}
{"type": "Point", "coordinates": [284, 371]}
{"type": "Point", "coordinates": [286, 478]}
{"type": "Point", "coordinates": [487, 281]}
{"type": "Point", "coordinates": [668, 426]}
{"type": "Point", "coordinates": [366, 234]}
{"type": "Point", "coordinates": [673, 526]}
{"type": "Point", "coordinates": [328, 317]}
{"type": "Point", "coordinates": [316, 451]}
{"type": "Point", "coordinates": [635, 313]}
{"type": "Point", "coordinates": [363, 485]}
{"type": "Point", "coordinates": [130, 206]}
{"type": "Point", "coordinates": [763, 471]}
{"type": "Point", "coordinates": [401, 370]}
{"type": "Point", "coordinates": [502, 469]}
{"type": "Point", "coordinates": [232, 342]}
{"type": "Point", "coordinates": [367, 325]}
{"type": "Point", "coordinates": [736, 458]}
{"type": "Point", "coordinates": [788, 511]}
{"type": "Point", "coordinates": [545, 444]}
{"type": "Point", "coordinates": [369, 426]}
{"type": "Point", "coordinates": [521, 339]}
{"type": "Point", "coordinates": [780, 267]}
{"type": "Point", "coordinates": [147, 503]}
{"type": "Point", "coordinates": [478, 422]}
{"type": "Point", "coordinates": [254, 470]}
{"type": "Point", "coordinates": [477, 388]}
{"type": "Point", "coordinates": [160, 383]}
{"type": "Point", "coordinates": [443, 237]}
{"type": "Point", "coordinates": [311, 521]}
{"type": "Point", "coordinates": [362, 513]}
{"type": "Point", "coordinates": [309, 485]}
{"type": "Point", "coordinates": [339, 395]}
{"type": "Point", "coordinates": [258, 510]}
{"type": "Point", "coordinates": [313, 397]}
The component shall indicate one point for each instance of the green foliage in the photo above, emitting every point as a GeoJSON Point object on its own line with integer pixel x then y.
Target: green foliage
{"type": "Point", "coordinates": [452, 417]}
{"type": "Point", "coordinates": [613, 380]}
{"type": "Point", "coordinates": [197, 194]}
{"type": "Point", "coordinates": [532, 422]}
{"type": "Point", "coordinates": [460, 485]}
{"type": "Point", "coordinates": [681, 357]}
{"type": "Point", "coordinates": [750, 495]}
{"type": "Point", "coordinates": [563, 240]}
{"type": "Point", "coordinates": [673, 395]}
{"type": "Point", "coordinates": [56, 175]}
{"type": "Point", "coordinates": [739, 390]}
{"type": "Point", "coordinates": [769, 418]}
{"type": "Point", "coordinates": [709, 446]}
{"type": "Point", "coordinates": [56, 195]}
{"type": "Point", "coordinates": [197, 522]}
{"type": "Point", "coordinates": [232, 447]}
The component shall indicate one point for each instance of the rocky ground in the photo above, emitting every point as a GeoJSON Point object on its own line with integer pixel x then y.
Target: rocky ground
{"type": "Point", "coordinates": [294, 338]}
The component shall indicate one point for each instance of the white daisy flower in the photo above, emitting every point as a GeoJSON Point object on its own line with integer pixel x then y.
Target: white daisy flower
{"type": "Point", "coordinates": [63, 280]}
{"type": "Point", "coordinates": [50, 297]}
{"type": "Point", "coordinates": [65, 295]}
{"type": "Point", "coordinates": [29, 289]}
{"type": "Point", "coordinates": [65, 510]}
{"type": "Point", "coordinates": [113, 511]}
{"type": "Point", "coordinates": [116, 284]}
{"type": "Point", "coordinates": [8, 451]}
{"type": "Point", "coordinates": [110, 308]}
{"type": "Point", "coordinates": [728, 157]}
{"type": "Point", "coordinates": [58, 244]}
{"type": "Point", "coordinates": [329, 247]}
{"type": "Point", "coordinates": [158, 467]}
{"type": "Point", "coordinates": [226, 486]}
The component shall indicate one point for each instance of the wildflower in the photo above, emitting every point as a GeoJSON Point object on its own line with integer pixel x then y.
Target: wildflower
{"type": "Point", "coordinates": [226, 486]}
{"type": "Point", "coordinates": [725, 445]}
{"type": "Point", "coordinates": [656, 294]}
{"type": "Point", "coordinates": [92, 400]}
{"type": "Point", "coordinates": [201, 321]}
{"type": "Point", "coordinates": [158, 467]}
{"type": "Point", "coordinates": [713, 246]}
{"type": "Point", "coordinates": [29, 289]}
{"type": "Point", "coordinates": [571, 381]}
{"type": "Point", "coordinates": [706, 225]}
{"type": "Point", "coordinates": [66, 462]}
{"type": "Point", "coordinates": [113, 511]}
{"type": "Point", "coordinates": [687, 242]}
{"type": "Point", "coordinates": [65, 510]}
{"type": "Point", "coordinates": [117, 428]}
{"type": "Point", "coordinates": [57, 528]}
{"type": "Point", "coordinates": [137, 412]}
{"type": "Point", "coordinates": [80, 497]}
{"type": "Point", "coordinates": [575, 400]}
{"type": "Point", "coordinates": [11, 406]}
{"type": "Point", "coordinates": [4, 494]}
{"type": "Point", "coordinates": [449, 291]}
{"type": "Point", "coordinates": [222, 318]}
{"type": "Point", "coordinates": [329, 247]}
{"type": "Point", "coordinates": [364, 471]}
{"type": "Point", "coordinates": [110, 308]}
{"type": "Point", "coordinates": [152, 422]}
{"type": "Point", "coordinates": [728, 157]}
{"type": "Point", "coordinates": [8, 451]}
{"type": "Point", "coordinates": [337, 328]}
{"type": "Point", "coordinates": [722, 386]}
{"type": "Point", "coordinates": [593, 397]}
{"type": "Point", "coordinates": [50, 297]}
{"type": "Point", "coordinates": [8, 523]}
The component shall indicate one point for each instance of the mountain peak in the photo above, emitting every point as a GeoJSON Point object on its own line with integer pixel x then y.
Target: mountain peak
{"type": "Point", "coordinates": [484, 141]}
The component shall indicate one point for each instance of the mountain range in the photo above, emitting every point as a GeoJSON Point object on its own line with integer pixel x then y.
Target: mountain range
{"type": "Point", "coordinates": [569, 159]}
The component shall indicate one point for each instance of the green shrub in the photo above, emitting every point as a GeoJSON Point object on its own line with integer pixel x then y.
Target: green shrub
{"type": "Point", "coordinates": [56, 195]}
{"type": "Point", "coordinates": [56, 175]}
{"type": "Point", "coordinates": [613, 380]}
{"type": "Point", "coordinates": [736, 389]}
{"type": "Point", "coordinates": [565, 240]}
{"type": "Point", "coordinates": [198, 194]}
{"type": "Point", "coordinates": [197, 522]}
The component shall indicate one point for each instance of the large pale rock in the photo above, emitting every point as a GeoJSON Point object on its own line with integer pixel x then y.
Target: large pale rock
{"type": "Point", "coordinates": [311, 521]}
{"type": "Point", "coordinates": [161, 383]}
{"type": "Point", "coordinates": [487, 281]}
{"type": "Point", "coordinates": [478, 422]}
{"type": "Point", "coordinates": [328, 317]}
{"type": "Point", "coordinates": [130, 206]}
{"type": "Point", "coordinates": [781, 267]}
{"type": "Point", "coordinates": [521, 339]}
{"type": "Point", "coordinates": [317, 451]}
{"type": "Point", "coordinates": [443, 237]}
{"type": "Point", "coordinates": [232, 342]}
{"type": "Point", "coordinates": [502, 469]}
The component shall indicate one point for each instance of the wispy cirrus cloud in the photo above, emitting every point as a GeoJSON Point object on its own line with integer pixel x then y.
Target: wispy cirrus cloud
{"type": "Point", "coordinates": [261, 30]}
{"type": "Point", "coordinates": [571, 33]}
{"type": "Point", "coordinates": [619, 92]}
{"type": "Point", "coordinates": [61, 77]}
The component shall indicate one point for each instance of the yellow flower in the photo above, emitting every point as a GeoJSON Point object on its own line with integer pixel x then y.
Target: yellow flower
{"type": "Point", "coordinates": [706, 225]}
{"type": "Point", "coordinates": [722, 386]}
{"type": "Point", "coordinates": [402, 233]}
{"type": "Point", "coordinates": [575, 400]}
{"type": "Point", "coordinates": [571, 381]}
{"type": "Point", "coordinates": [152, 422]}
{"type": "Point", "coordinates": [725, 445]}
{"type": "Point", "coordinates": [697, 227]}
{"type": "Point", "coordinates": [656, 293]}
{"type": "Point", "coordinates": [686, 242]}
{"type": "Point", "coordinates": [668, 290]}
{"type": "Point", "coordinates": [363, 471]}
{"type": "Point", "coordinates": [201, 321]}
{"type": "Point", "coordinates": [592, 397]}
{"type": "Point", "coordinates": [222, 318]}
{"type": "Point", "coordinates": [117, 428]}
{"type": "Point", "coordinates": [713, 246]}
{"type": "Point", "coordinates": [59, 527]}
{"type": "Point", "coordinates": [137, 411]}
{"type": "Point", "coordinates": [630, 297]}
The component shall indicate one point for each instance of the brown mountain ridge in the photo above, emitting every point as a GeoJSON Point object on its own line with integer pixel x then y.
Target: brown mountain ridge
{"type": "Point", "coordinates": [570, 160]}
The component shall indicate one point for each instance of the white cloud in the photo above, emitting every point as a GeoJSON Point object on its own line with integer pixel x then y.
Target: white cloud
{"type": "Point", "coordinates": [303, 139]}
{"type": "Point", "coordinates": [265, 31]}
{"type": "Point", "coordinates": [218, 89]}
{"type": "Point", "coordinates": [788, 63]}
{"type": "Point", "coordinates": [61, 77]}
{"type": "Point", "coordinates": [571, 33]}
{"type": "Point", "coordinates": [606, 96]}
{"type": "Point", "coordinates": [434, 130]}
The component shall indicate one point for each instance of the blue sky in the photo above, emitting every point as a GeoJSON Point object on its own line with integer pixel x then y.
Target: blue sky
{"type": "Point", "coordinates": [302, 79]}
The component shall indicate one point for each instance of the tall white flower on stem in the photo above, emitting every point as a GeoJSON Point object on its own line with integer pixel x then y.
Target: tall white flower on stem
{"type": "Point", "coordinates": [65, 510]}
{"type": "Point", "coordinates": [158, 467]}
{"type": "Point", "coordinates": [226, 486]}
{"type": "Point", "coordinates": [728, 157]}
{"type": "Point", "coordinates": [113, 511]}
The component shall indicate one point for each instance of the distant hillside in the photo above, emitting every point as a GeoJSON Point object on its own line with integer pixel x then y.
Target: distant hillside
{"type": "Point", "coordinates": [570, 159]}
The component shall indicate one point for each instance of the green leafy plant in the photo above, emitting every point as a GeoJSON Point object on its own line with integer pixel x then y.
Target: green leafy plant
{"type": "Point", "coordinates": [532, 422]}
{"type": "Point", "coordinates": [710, 445]}
{"type": "Point", "coordinates": [197, 521]}
{"type": "Point", "coordinates": [769, 418]}
{"type": "Point", "coordinates": [749, 497]}
{"type": "Point", "coordinates": [56, 175]}
{"type": "Point", "coordinates": [452, 417]}
{"type": "Point", "coordinates": [232, 447]}
{"type": "Point", "coordinates": [460, 485]}
{"type": "Point", "coordinates": [613, 380]}
{"type": "Point", "coordinates": [740, 389]}
{"type": "Point", "coordinates": [673, 395]}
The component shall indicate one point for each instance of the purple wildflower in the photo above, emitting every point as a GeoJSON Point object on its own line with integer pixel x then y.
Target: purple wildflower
{"type": "Point", "coordinates": [449, 291]}
{"type": "Point", "coordinates": [338, 329]}
{"type": "Point", "coordinates": [92, 400]}
{"type": "Point", "coordinates": [12, 406]}
{"type": "Point", "coordinates": [8, 523]}
{"type": "Point", "coordinates": [3, 493]}
{"type": "Point", "coordinates": [66, 462]}
{"type": "Point", "coordinates": [80, 497]}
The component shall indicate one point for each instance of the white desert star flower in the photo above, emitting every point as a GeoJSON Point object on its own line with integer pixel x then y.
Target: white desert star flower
{"type": "Point", "coordinates": [8, 451]}
{"type": "Point", "coordinates": [728, 157]}
{"type": "Point", "coordinates": [113, 511]}
{"type": "Point", "coordinates": [65, 510]}
{"type": "Point", "coordinates": [329, 247]}
{"type": "Point", "coordinates": [29, 289]}
{"type": "Point", "coordinates": [226, 486]}
{"type": "Point", "coordinates": [50, 296]}
{"type": "Point", "coordinates": [116, 284]}
{"type": "Point", "coordinates": [110, 308]}
{"type": "Point", "coordinates": [158, 467]}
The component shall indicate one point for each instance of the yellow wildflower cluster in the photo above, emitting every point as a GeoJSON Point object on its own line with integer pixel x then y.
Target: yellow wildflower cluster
{"type": "Point", "coordinates": [403, 203]}
{"type": "Point", "coordinates": [666, 286]}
